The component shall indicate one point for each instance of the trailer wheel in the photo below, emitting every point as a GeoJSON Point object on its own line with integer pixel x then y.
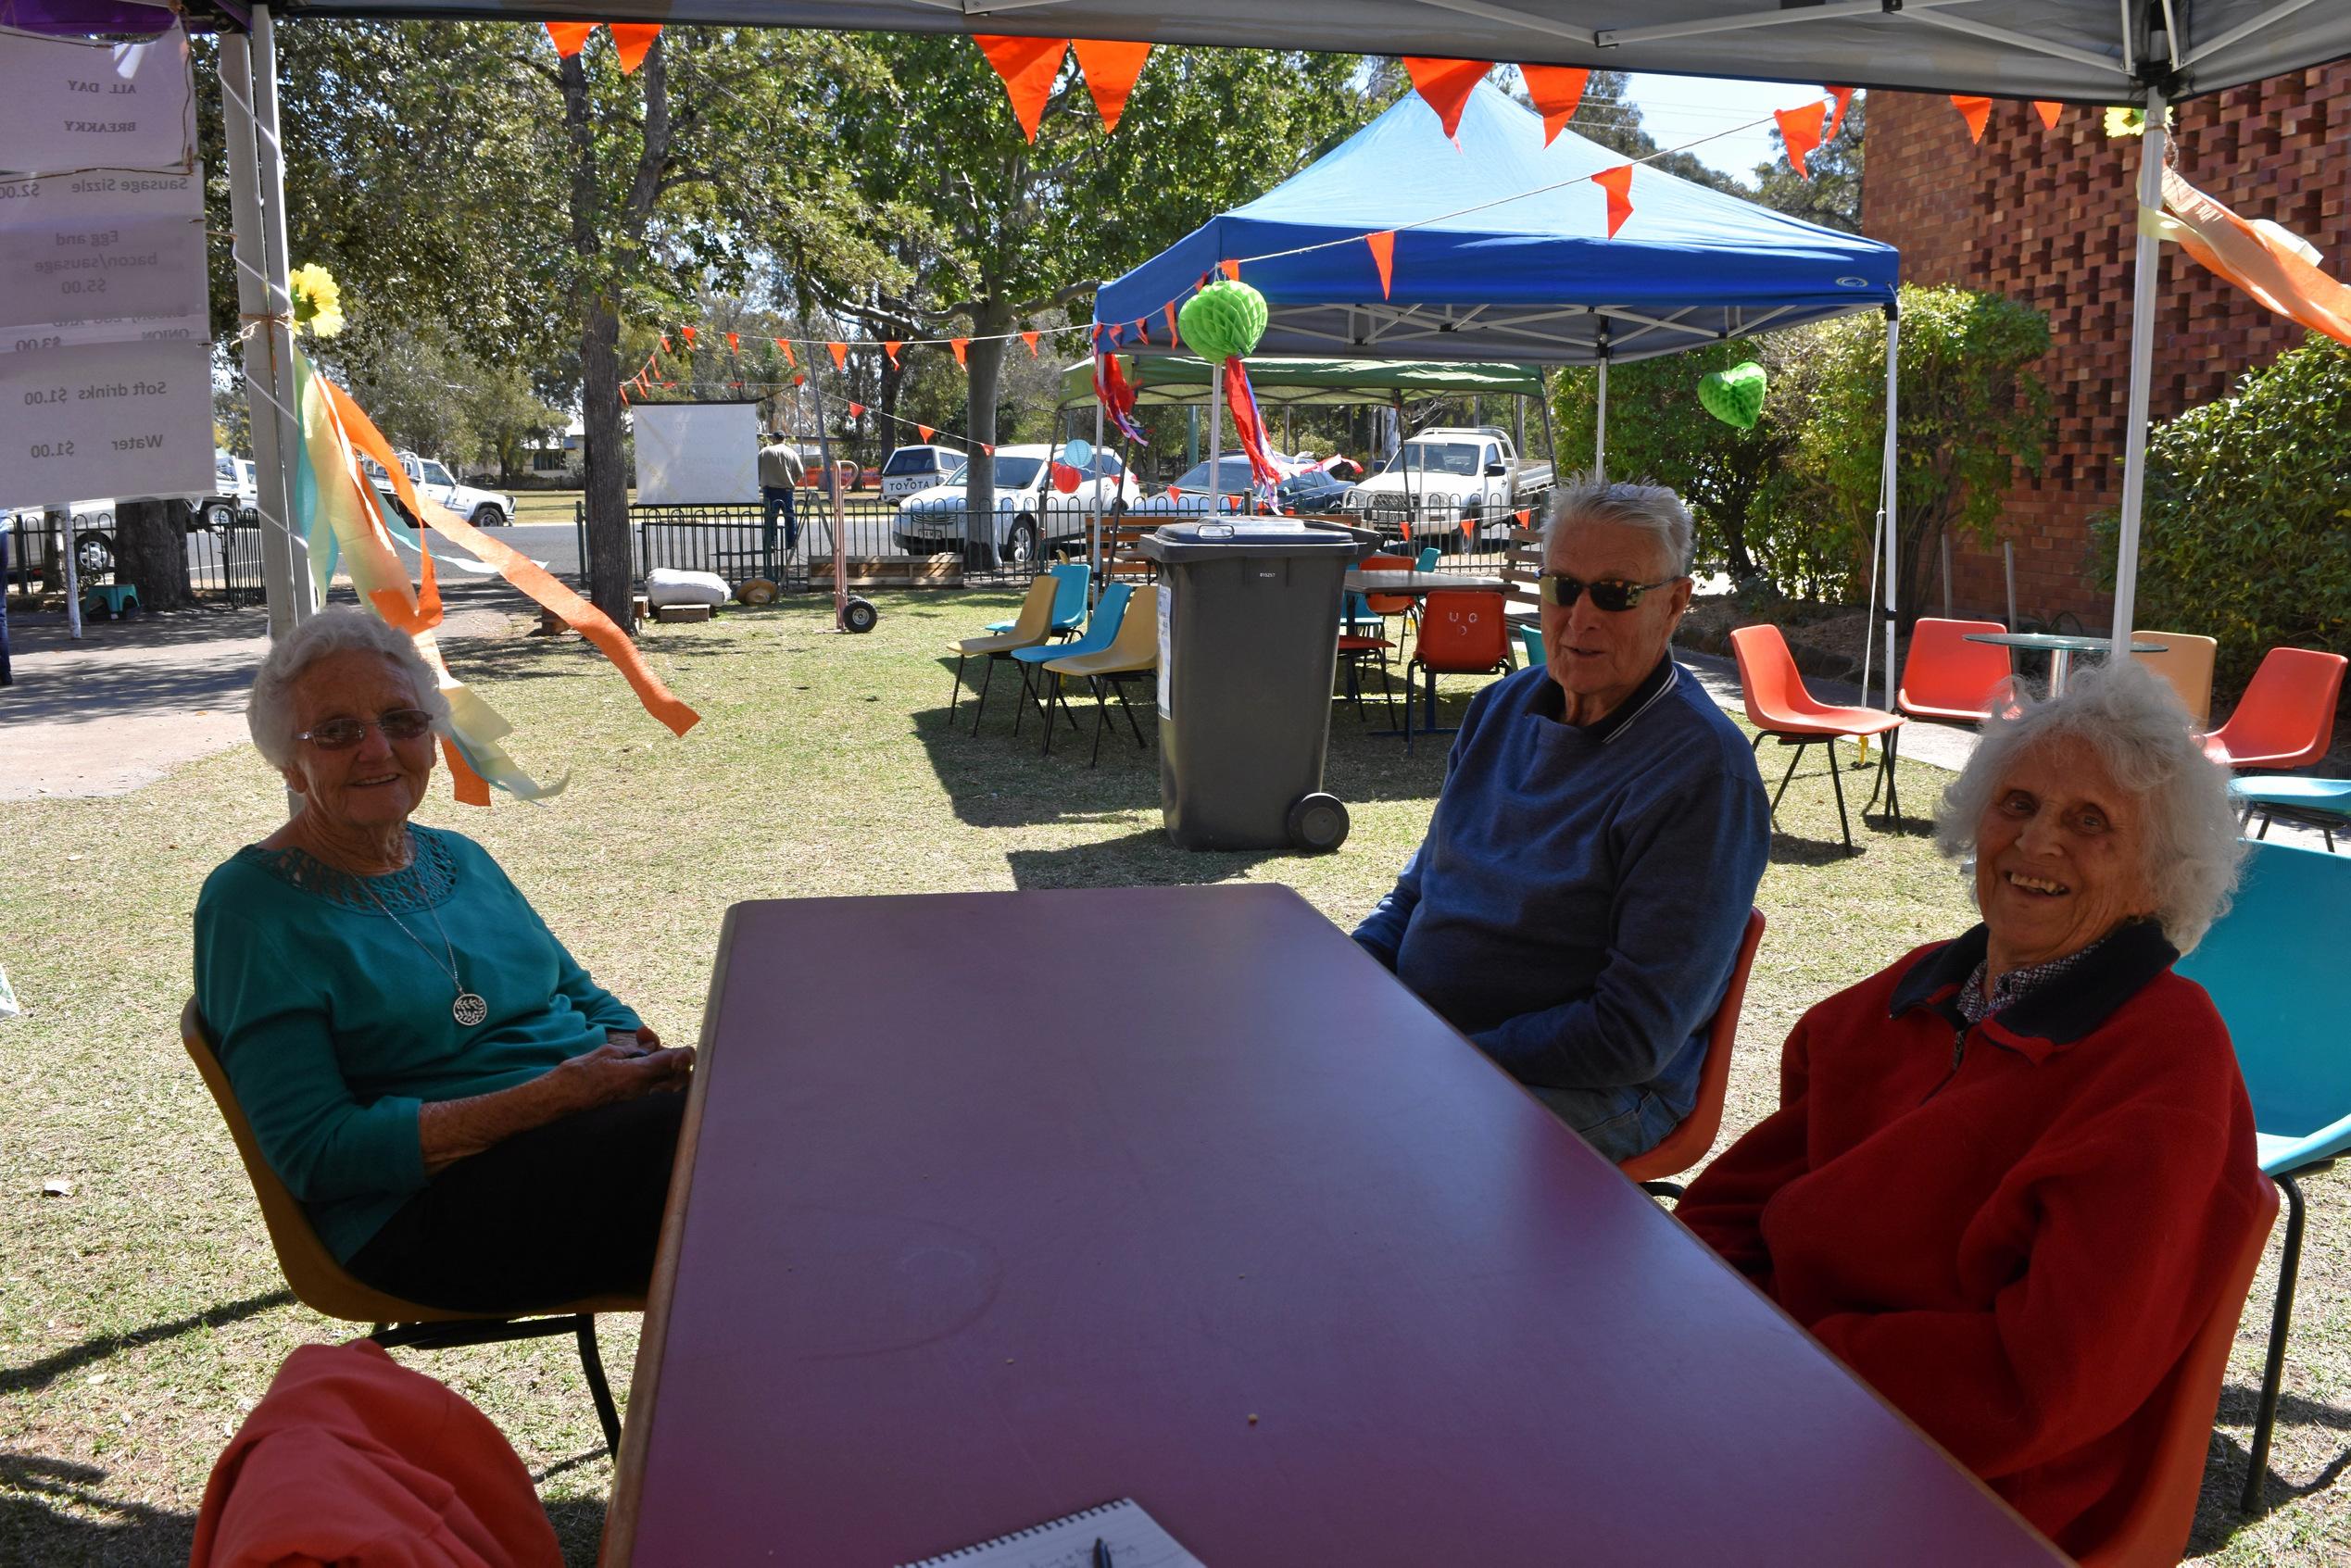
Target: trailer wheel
{"type": "Point", "coordinates": [858, 615]}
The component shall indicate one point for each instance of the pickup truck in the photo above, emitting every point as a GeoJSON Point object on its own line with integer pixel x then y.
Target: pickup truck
{"type": "Point", "coordinates": [482, 508]}
{"type": "Point", "coordinates": [1442, 484]}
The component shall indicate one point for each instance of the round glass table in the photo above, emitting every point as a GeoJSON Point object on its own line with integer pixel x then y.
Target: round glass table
{"type": "Point", "coordinates": [2059, 646]}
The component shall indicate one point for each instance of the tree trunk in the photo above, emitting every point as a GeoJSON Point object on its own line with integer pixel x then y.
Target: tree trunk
{"type": "Point", "coordinates": [984, 362]}
{"type": "Point", "coordinates": [151, 549]}
{"type": "Point", "coordinates": [611, 584]}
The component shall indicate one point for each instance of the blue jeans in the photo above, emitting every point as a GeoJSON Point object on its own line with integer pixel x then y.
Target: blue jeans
{"type": "Point", "coordinates": [779, 499]}
{"type": "Point", "coordinates": [1619, 1122]}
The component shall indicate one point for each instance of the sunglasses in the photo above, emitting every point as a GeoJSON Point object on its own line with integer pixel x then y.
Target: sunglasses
{"type": "Point", "coordinates": [1562, 591]}
{"type": "Point", "coordinates": [341, 734]}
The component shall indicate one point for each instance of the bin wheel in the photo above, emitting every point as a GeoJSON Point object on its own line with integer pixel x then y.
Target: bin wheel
{"type": "Point", "coordinates": [858, 615]}
{"type": "Point", "coordinates": [1317, 823]}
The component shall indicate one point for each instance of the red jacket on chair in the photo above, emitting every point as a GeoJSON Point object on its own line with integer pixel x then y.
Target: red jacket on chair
{"type": "Point", "coordinates": [353, 1459]}
{"type": "Point", "coordinates": [2011, 1230]}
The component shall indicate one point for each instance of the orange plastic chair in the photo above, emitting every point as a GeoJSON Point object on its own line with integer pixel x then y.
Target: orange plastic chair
{"type": "Point", "coordinates": [1782, 709]}
{"type": "Point", "coordinates": [1461, 634]}
{"type": "Point", "coordinates": [1690, 1141]}
{"type": "Point", "coordinates": [1945, 676]}
{"type": "Point", "coordinates": [2153, 1529]}
{"type": "Point", "coordinates": [2184, 660]}
{"type": "Point", "coordinates": [2286, 717]}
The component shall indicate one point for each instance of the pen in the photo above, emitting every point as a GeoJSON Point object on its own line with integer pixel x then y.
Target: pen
{"type": "Point", "coordinates": [1101, 1553]}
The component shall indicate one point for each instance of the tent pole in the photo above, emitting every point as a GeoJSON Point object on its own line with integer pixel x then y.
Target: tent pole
{"type": "Point", "coordinates": [1094, 568]}
{"type": "Point", "coordinates": [1542, 406]}
{"type": "Point", "coordinates": [1600, 423]}
{"type": "Point", "coordinates": [1215, 440]}
{"type": "Point", "coordinates": [2146, 265]}
{"type": "Point", "coordinates": [1889, 501]}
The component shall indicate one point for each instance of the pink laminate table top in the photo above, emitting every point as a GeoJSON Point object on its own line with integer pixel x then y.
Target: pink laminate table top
{"type": "Point", "coordinates": [1003, 1205]}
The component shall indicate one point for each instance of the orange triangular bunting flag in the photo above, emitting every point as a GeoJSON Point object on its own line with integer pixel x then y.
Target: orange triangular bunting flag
{"type": "Point", "coordinates": [1383, 249]}
{"type": "Point", "coordinates": [987, 448]}
{"type": "Point", "coordinates": [2049, 110]}
{"type": "Point", "coordinates": [1110, 70]}
{"type": "Point", "coordinates": [1975, 111]}
{"type": "Point", "coordinates": [1030, 339]}
{"type": "Point", "coordinates": [1799, 130]}
{"type": "Point", "coordinates": [959, 345]}
{"type": "Point", "coordinates": [689, 335]}
{"type": "Point", "coordinates": [786, 348]}
{"type": "Point", "coordinates": [1556, 90]}
{"type": "Point", "coordinates": [799, 380]}
{"type": "Point", "coordinates": [734, 344]}
{"type": "Point", "coordinates": [1844, 99]}
{"type": "Point", "coordinates": [570, 37]}
{"type": "Point", "coordinates": [1618, 182]}
{"type": "Point", "coordinates": [923, 431]}
{"type": "Point", "coordinates": [1445, 85]}
{"type": "Point", "coordinates": [630, 40]}
{"type": "Point", "coordinates": [857, 410]}
{"type": "Point", "coordinates": [1173, 340]}
{"type": "Point", "coordinates": [840, 355]}
{"type": "Point", "coordinates": [1526, 517]}
{"type": "Point", "coordinates": [1028, 67]}
{"type": "Point", "coordinates": [1115, 328]}
{"type": "Point", "coordinates": [891, 347]}
{"type": "Point", "coordinates": [1230, 268]}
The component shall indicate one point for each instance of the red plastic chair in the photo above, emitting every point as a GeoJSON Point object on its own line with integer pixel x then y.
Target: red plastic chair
{"type": "Point", "coordinates": [2153, 1529]}
{"type": "Point", "coordinates": [1945, 676]}
{"type": "Point", "coordinates": [1690, 1140]}
{"type": "Point", "coordinates": [2286, 717]}
{"type": "Point", "coordinates": [1780, 707]}
{"type": "Point", "coordinates": [1461, 634]}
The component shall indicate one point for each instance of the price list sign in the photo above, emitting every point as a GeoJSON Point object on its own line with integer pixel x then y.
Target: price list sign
{"type": "Point", "coordinates": [106, 419]}
{"type": "Point", "coordinates": [67, 104]}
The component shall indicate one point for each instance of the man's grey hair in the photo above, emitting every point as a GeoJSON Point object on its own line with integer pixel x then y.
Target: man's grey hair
{"type": "Point", "coordinates": [2131, 718]}
{"type": "Point", "coordinates": [268, 712]}
{"type": "Point", "coordinates": [1588, 498]}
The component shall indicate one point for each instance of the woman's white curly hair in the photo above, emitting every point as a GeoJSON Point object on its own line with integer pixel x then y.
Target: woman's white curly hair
{"type": "Point", "coordinates": [268, 712]}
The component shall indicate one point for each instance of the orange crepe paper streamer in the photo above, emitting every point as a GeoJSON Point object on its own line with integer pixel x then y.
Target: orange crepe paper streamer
{"type": "Point", "coordinates": [2048, 109]}
{"type": "Point", "coordinates": [570, 37]}
{"type": "Point", "coordinates": [471, 788]}
{"type": "Point", "coordinates": [1230, 268]}
{"type": "Point", "coordinates": [1028, 67]}
{"type": "Point", "coordinates": [689, 335]}
{"type": "Point", "coordinates": [1799, 130]}
{"type": "Point", "coordinates": [1110, 70]}
{"type": "Point", "coordinates": [2263, 266]}
{"type": "Point", "coordinates": [358, 432]}
{"type": "Point", "coordinates": [734, 344]}
{"type": "Point", "coordinates": [1383, 249]}
{"type": "Point", "coordinates": [1445, 85]}
{"type": "Point", "coordinates": [1557, 91]}
{"type": "Point", "coordinates": [1844, 99]}
{"type": "Point", "coordinates": [840, 355]}
{"type": "Point", "coordinates": [1030, 339]}
{"type": "Point", "coordinates": [1975, 111]}
{"type": "Point", "coordinates": [1618, 182]}
{"type": "Point", "coordinates": [923, 431]}
{"type": "Point", "coordinates": [630, 40]}
{"type": "Point", "coordinates": [857, 410]}
{"type": "Point", "coordinates": [1174, 338]}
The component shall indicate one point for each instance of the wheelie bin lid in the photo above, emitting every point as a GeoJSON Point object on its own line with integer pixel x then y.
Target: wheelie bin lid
{"type": "Point", "coordinates": [1215, 539]}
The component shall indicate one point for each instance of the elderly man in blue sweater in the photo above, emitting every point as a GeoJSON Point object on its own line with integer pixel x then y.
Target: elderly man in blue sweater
{"type": "Point", "coordinates": [1577, 903]}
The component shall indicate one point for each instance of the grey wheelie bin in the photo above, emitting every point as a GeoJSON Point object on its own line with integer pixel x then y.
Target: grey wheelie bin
{"type": "Point", "coordinates": [1248, 629]}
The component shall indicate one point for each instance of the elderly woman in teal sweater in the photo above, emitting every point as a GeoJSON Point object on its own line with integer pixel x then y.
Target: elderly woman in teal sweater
{"type": "Point", "coordinates": [468, 1118]}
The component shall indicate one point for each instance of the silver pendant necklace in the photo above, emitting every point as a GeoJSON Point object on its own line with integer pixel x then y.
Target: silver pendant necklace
{"type": "Point", "coordinates": [469, 1010]}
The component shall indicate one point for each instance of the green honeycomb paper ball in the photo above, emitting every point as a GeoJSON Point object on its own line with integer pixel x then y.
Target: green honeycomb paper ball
{"type": "Point", "coordinates": [1736, 395]}
{"type": "Point", "coordinates": [1224, 319]}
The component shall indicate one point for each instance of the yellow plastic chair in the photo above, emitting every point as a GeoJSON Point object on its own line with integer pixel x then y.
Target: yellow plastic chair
{"type": "Point", "coordinates": [1132, 654]}
{"type": "Point", "coordinates": [321, 1283]}
{"type": "Point", "coordinates": [1031, 628]}
{"type": "Point", "coordinates": [2186, 663]}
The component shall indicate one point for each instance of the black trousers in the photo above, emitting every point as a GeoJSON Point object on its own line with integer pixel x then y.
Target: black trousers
{"type": "Point", "coordinates": [568, 1209]}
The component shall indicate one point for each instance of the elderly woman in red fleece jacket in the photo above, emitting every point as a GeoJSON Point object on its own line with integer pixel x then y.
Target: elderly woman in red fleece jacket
{"type": "Point", "coordinates": [2009, 1174]}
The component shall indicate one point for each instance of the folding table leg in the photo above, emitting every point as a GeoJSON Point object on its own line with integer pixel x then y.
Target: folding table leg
{"type": "Point", "coordinates": [2265, 1421]}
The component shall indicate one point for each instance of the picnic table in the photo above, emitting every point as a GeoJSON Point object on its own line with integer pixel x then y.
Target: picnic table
{"type": "Point", "coordinates": [1405, 581]}
{"type": "Point", "coordinates": [1274, 1252]}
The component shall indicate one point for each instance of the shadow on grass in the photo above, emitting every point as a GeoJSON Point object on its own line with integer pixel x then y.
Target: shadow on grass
{"type": "Point", "coordinates": [53, 1514]}
{"type": "Point", "coordinates": [2218, 1518]}
{"type": "Point", "coordinates": [579, 1528]}
{"type": "Point", "coordinates": [1149, 858]}
{"type": "Point", "coordinates": [48, 1369]}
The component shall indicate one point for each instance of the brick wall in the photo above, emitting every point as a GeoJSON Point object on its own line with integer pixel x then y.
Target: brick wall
{"type": "Point", "coordinates": [2046, 217]}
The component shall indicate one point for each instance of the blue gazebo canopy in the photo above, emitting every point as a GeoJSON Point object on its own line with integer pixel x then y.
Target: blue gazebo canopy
{"type": "Point", "coordinates": [1501, 252]}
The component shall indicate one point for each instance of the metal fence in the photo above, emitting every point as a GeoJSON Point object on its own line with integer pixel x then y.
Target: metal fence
{"type": "Point", "coordinates": [224, 565]}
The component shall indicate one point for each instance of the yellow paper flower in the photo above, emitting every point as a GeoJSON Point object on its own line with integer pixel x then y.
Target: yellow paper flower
{"type": "Point", "coordinates": [318, 300]}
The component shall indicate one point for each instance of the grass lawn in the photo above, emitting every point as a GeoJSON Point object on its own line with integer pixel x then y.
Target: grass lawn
{"type": "Point", "coordinates": [141, 1314]}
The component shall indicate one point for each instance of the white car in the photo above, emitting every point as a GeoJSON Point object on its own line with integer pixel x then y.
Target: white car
{"type": "Point", "coordinates": [913, 470]}
{"type": "Point", "coordinates": [1032, 511]}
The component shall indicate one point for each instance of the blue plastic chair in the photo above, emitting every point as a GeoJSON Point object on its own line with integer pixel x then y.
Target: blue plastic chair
{"type": "Point", "coordinates": [1358, 620]}
{"type": "Point", "coordinates": [1430, 558]}
{"type": "Point", "coordinates": [1069, 599]}
{"type": "Point", "coordinates": [2269, 964]}
{"type": "Point", "coordinates": [1100, 631]}
{"type": "Point", "coordinates": [2324, 804]}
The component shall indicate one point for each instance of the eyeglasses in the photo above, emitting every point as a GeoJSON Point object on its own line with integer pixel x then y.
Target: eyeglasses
{"type": "Point", "coordinates": [1562, 590]}
{"type": "Point", "coordinates": [341, 734]}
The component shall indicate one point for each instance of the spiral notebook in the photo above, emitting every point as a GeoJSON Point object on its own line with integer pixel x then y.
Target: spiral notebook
{"type": "Point", "coordinates": [1132, 1536]}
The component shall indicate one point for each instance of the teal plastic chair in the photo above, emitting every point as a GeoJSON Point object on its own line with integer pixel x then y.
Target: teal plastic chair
{"type": "Point", "coordinates": [1100, 631]}
{"type": "Point", "coordinates": [2324, 804]}
{"type": "Point", "coordinates": [2269, 964]}
{"type": "Point", "coordinates": [1358, 620]}
{"type": "Point", "coordinates": [1530, 641]}
{"type": "Point", "coordinates": [1069, 599]}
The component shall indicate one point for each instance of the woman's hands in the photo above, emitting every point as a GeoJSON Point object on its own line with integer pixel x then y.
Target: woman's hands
{"type": "Point", "coordinates": [629, 1063]}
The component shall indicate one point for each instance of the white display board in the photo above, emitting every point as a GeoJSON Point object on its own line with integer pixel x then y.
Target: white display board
{"type": "Point", "coordinates": [67, 105]}
{"type": "Point", "coordinates": [100, 257]}
{"type": "Point", "coordinates": [106, 419]}
{"type": "Point", "coordinates": [697, 454]}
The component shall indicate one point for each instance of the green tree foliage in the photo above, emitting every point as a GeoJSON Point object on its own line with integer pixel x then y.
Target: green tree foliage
{"type": "Point", "coordinates": [1831, 198]}
{"type": "Point", "coordinates": [2246, 533]}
